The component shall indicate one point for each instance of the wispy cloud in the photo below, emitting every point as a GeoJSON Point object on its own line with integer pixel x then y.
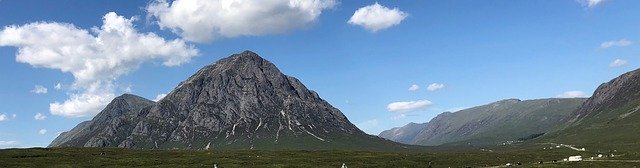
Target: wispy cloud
{"type": "Point", "coordinates": [572, 94]}
{"type": "Point", "coordinates": [8, 144]}
{"type": "Point", "coordinates": [369, 126]}
{"type": "Point", "coordinates": [42, 131]}
{"type": "Point", "coordinates": [591, 3]}
{"type": "Point", "coordinates": [408, 106]}
{"type": "Point", "coordinates": [615, 43]}
{"type": "Point", "coordinates": [39, 116]}
{"type": "Point", "coordinates": [618, 63]}
{"type": "Point", "coordinates": [39, 89]}
{"type": "Point", "coordinates": [58, 86]}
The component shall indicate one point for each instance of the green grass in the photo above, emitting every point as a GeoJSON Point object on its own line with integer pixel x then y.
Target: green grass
{"type": "Point", "coordinates": [438, 157]}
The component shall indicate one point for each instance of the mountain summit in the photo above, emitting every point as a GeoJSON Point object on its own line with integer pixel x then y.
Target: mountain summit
{"type": "Point", "coordinates": [239, 102]}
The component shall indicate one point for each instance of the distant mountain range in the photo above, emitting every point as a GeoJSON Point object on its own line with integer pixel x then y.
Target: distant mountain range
{"type": "Point", "coordinates": [608, 118]}
{"type": "Point", "coordinates": [239, 102]}
{"type": "Point", "coordinates": [491, 124]}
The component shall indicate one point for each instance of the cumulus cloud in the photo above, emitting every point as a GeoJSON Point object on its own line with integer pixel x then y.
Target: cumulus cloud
{"type": "Point", "coordinates": [414, 88]}
{"type": "Point", "coordinates": [39, 89]}
{"type": "Point", "coordinates": [408, 106]}
{"type": "Point", "coordinates": [572, 94]}
{"type": "Point", "coordinates": [618, 63]}
{"type": "Point", "coordinates": [377, 17]}
{"type": "Point", "coordinates": [435, 86]}
{"type": "Point", "coordinates": [591, 3]}
{"type": "Point", "coordinates": [42, 131]}
{"type": "Point", "coordinates": [95, 58]}
{"type": "Point", "coordinates": [206, 20]}
{"type": "Point", "coordinates": [39, 116]}
{"type": "Point", "coordinates": [159, 97]}
{"type": "Point", "coordinates": [616, 43]}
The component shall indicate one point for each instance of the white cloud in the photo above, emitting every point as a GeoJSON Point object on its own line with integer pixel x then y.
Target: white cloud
{"type": "Point", "coordinates": [572, 94]}
{"type": "Point", "coordinates": [408, 106]}
{"type": "Point", "coordinates": [616, 43]}
{"type": "Point", "coordinates": [80, 105]}
{"type": "Point", "coordinates": [618, 63]}
{"type": "Point", "coordinates": [435, 86]}
{"type": "Point", "coordinates": [14, 116]}
{"type": "Point", "coordinates": [95, 59]}
{"type": "Point", "coordinates": [40, 116]}
{"type": "Point", "coordinates": [58, 86]}
{"type": "Point", "coordinates": [206, 20]}
{"type": "Point", "coordinates": [42, 131]}
{"type": "Point", "coordinates": [590, 3]}
{"type": "Point", "coordinates": [3, 117]}
{"type": "Point", "coordinates": [159, 97]}
{"type": "Point", "coordinates": [414, 88]}
{"type": "Point", "coordinates": [377, 17]}
{"type": "Point", "coordinates": [39, 89]}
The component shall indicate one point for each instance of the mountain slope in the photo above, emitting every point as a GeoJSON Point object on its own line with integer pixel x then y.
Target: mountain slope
{"type": "Point", "coordinates": [610, 116]}
{"type": "Point", "coordinates": [107, 128]}
{"type": "Point", "coordinates": [491, 124]}
{"type": "Point", "coordinates": [243, 102]}
{"type": "Point", "coordinates": [405, 134]}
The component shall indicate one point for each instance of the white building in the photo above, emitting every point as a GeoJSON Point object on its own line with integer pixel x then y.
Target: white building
{"type": "Point", "coordinates": [575, 158]}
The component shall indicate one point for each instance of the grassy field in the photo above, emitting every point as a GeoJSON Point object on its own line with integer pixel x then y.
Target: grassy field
{"type": "Point", "coordinates": [114, 157]}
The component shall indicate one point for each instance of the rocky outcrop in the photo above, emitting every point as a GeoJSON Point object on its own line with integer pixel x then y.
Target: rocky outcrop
{"type": "Point", "coordinates": [613, 94]}
{"type": "Point", "coordinates": [242, 101]}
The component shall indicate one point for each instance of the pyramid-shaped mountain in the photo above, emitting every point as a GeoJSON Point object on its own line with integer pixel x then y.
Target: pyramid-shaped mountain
{"type": "Point", "coordinates": [239, 102]}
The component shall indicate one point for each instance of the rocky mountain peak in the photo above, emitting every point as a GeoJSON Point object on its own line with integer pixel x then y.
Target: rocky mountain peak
{"type": "Point", "coordinates": [242, 101]}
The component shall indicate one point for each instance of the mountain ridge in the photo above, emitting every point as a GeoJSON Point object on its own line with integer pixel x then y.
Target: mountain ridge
{"type": "Point", "coordinates": [493, 123]}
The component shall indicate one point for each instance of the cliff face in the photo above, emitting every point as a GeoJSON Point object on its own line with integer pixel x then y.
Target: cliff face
{"type": "Point", "coordinates": [242, 101]}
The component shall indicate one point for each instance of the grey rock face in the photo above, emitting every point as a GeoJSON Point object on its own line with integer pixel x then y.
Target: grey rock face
{"type": "Point", "coordinates": [242, 101]}
{"type": "Point", "coordinates": [107, 128]}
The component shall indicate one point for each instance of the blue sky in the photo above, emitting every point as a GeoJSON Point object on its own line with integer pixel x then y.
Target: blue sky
{"type": "Point", "coordinates": [364, 63]}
